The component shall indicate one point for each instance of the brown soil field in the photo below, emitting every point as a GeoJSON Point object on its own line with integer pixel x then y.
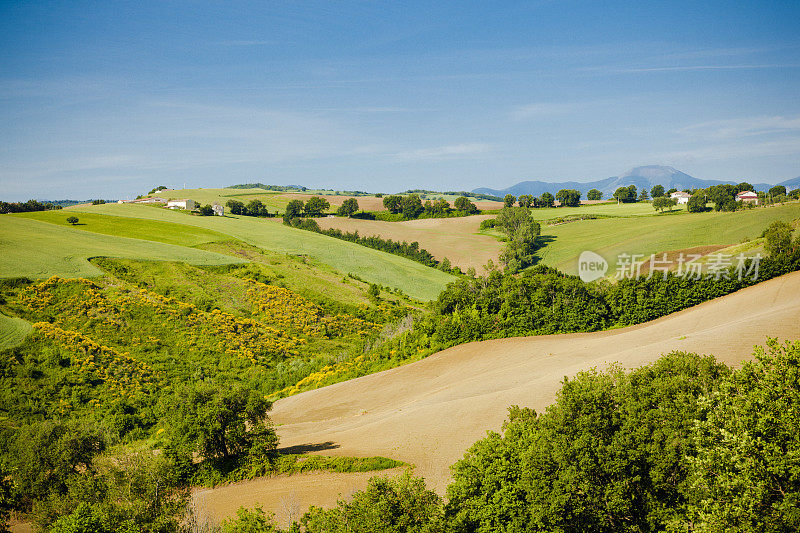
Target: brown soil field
{"type": "Point", "coordinates": [455, 238]}
{"type": "Point", "coordinates": [429, 412]}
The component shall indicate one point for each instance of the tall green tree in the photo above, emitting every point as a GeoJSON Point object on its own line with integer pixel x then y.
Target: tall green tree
{"type": "Point", "coordinates": [657, 191]}
{"type": "Point", "coordinates": [348, 208]}
{"type": "Point", "coordinates": [412, 206]}
{"type": "Point", "coordinates": [569, 197]}
{"type": "Point", "coordinates": [393, 203]}
{"type": "Point", "coordinates": [594, 194]}
{"type": "Point", "coordinates": [547, 200]}
{"type": "Point", "coordinates": [462, 203]}
{"type": "Point", "coordinates": [745, 465]}
{"type": "Point", "coordinates": [315, 206]}
{"type": "Point", "coordinates": [509, 200]}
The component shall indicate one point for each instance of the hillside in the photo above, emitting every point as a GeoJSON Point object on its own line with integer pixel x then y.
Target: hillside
{"type": "Point", "coordinates": [427, 413]}
{"type": "Point", "coordinates": [644, 177]}
{"type": "Point", "coordinates": [416, 280]}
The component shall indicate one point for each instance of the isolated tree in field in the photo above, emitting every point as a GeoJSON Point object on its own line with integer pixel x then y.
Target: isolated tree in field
{"type": "Point", "coordinates": [777, 190]}
{"type": "Point", "coordinates": [525, 200]}
{"type": "Point", "coordinates": [315, 206]}
{"type": "Point", "coordinates": [293, 209]}
{"type": "Point", "coordinates": [462, 203]}
{"type": "Point", "coordinates": [656, 191]}
{"type": "Point", "coordinates": [348, 208]}
{"type": "Point", "coordinates": [643, 196]}
{"type": "Point", "coordinates": [235, 207]}
{"type": "Point", "coordinates": [509, 200]}
{"type": "Point", "coordinates": [72, 220]}
{"type": "Point", "coordinates": [594, 194]}
{"type": "Point", "coordinates": [569, 197]}
{"type": "Point", "coordinates": [547, 200]}
{"type": "Point", "coordinates": [662, 202]}
{"type": "Point", "coordinates": [393, 203]}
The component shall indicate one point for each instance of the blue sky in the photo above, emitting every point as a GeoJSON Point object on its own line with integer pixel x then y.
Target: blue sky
{"type": "Point", "coordinates": [109, 99]}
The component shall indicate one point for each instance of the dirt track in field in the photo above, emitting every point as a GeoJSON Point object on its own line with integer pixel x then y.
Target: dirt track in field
{"type": "Point", "coordinates": [429, 412]}
{"type": "Point", "coordinates": [455, 238]}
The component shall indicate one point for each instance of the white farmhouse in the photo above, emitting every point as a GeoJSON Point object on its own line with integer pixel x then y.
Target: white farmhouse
{"type": "Point", "coordinates": [218, 210]}
{"type": "Point", "coordinates": [183, 203]}
{"type": "Point", "coordinates": [747, 196]}
{"type": "Point", "coordinates": [681, 196]}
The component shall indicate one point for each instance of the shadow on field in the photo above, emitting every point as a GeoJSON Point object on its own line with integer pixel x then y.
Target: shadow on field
{"type": "Point", "coordinates": [306, 448]}
{"type": "Point", "coordinates": [541, 242]}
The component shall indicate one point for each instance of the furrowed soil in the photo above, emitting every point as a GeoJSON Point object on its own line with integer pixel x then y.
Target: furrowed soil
{"type": "Point", "coordinates": [429, 412]}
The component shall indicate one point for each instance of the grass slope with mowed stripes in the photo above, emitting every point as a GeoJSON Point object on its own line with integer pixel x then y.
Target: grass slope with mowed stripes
{"type": "Point", "coordinates": [648, 235]}
{"type": "Point", "coordinates": [35, 249]}
{"type": "Point", "coordinates": [13, 331]}
{"type": "Point", "coordinates": [414, 279]}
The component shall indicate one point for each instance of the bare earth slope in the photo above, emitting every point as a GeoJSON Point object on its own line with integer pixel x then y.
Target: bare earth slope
{"type": "Point", "coordinates": [429, 412]}
{"type": "Point", "coordinates": [455, 238]}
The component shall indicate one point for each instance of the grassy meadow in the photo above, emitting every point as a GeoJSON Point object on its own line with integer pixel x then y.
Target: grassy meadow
{"type": "Point", "coordinates": [653, 234]}
{"type": "Point", "coordinates": [414, 279]}
{"type": "Point", "coordinates": [36, 249]}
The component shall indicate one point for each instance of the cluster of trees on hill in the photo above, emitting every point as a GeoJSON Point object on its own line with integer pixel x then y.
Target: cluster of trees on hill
{"type": "Point", "coordinates": [683, 444]}
{"type": "Point", "coordinates": [478, 196]}
{"type": "Point", "coordinates": [565, 197]}
{"type": "Point", "coordinates": [279, 188]}
{"type": "Point", "coordinates": [26, 207]}
{"type": "Point", "coordinates": [254, 208]}
{"type": "Point", "coordinates": [411, 207]}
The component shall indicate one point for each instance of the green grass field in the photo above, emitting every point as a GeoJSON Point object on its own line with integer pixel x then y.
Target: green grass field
{"type": "Point", "coordinates": [13, 331]}
{"type": "Point", "coordinates": [609, 209]}
{"type": "Point", "coordinates": [416, 280]}
{"type": "Point", "coordinates": [151, 230]}
{"type": "Point", "coordinates": [35, 249]}
{"type": "Point", "coordinates": [209, 196]}
{"type": "Point", "coordinates": [647, 235]}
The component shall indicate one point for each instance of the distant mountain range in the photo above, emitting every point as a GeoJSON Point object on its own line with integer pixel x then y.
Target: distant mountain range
{"type": "Point", "coordinates": [643, 177]}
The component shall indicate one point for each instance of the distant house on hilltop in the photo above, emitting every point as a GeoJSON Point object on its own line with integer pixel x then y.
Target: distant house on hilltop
{"type": "Point", "coordinates": [747, 196]}
{"type": "Point", "coordinates": [218, 210]}
{"type": "Point", "coordinates": [681, 196]}
{"type": "Point", "coordinates": [183, 203]}
{"type": "Point", "coordinates": [150, 200]}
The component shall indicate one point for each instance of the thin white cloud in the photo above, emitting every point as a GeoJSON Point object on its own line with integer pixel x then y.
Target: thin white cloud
{"type": "Point", "coordinates": [689, 68]}
{"type": "Point", "coordinates": [445, 152]}
{"type": "Point", "coordinates": [539, 109]}
{"type": "Point", "coordinates": [743, 127]}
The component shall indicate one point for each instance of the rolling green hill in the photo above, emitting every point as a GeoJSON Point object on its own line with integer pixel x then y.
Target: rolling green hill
{"type": "Point", "coordinates": [414, 279]}
{"type": "Point", "coordinates": [35, 249]}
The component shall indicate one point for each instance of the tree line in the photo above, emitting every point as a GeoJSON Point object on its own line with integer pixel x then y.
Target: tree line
{"type": "Point", "coordinates": [26, 207]}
